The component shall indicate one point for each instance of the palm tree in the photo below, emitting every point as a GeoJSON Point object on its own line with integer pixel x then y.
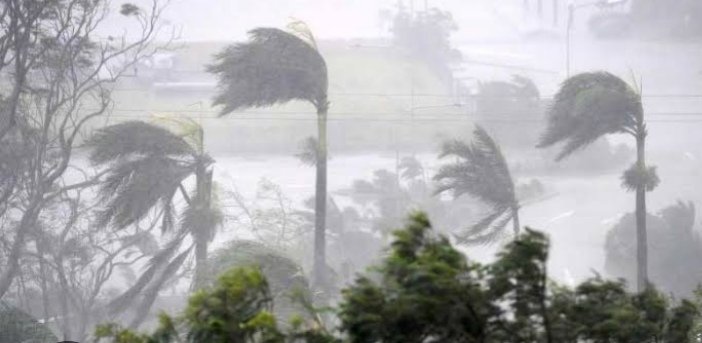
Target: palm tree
{"type": "Point", "coordinates": [275, 67]}
{"type": "Point", "coordinates": [146, 167]}
{"type": "Point", "coordinates": [589, 106]}
{"type": "Point", "coordinates": [480, 170]}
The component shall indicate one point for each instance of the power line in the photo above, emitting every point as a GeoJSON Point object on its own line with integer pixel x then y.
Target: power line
{"type": "Point", "coordinates": [509, 115]}
{"type": "Point", "coordinates": [404, 119]}
{"type": "Point", "coordinates": [443, 95]}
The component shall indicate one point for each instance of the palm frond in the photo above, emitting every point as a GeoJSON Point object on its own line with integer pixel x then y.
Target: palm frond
{"type": "Point", "coordinates": [480, 171]}
{"type": "Point", "coordinates": [149, 295]}
{"type": "Point", "coordinates": [156, 264]}
{"type": "Point", "coordinates": [132, 189]}
{"type": "Point", "coordinates": [273, 67]}
{"type": "Point", "coordinates": [134, 138]}
{"type": "Point", "coordinates": [187, 128]}
{"type": "Point", "coordinates": [487, 230]}
{"type": "Point", "coordinates": [588, 106]}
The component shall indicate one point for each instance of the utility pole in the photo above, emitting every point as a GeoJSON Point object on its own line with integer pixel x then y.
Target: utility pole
{"type": "Point", "coordinates": [571, 10]}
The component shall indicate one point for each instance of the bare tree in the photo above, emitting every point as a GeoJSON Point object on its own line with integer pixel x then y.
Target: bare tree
{"type": "Point", "coordinates": [62, 78]}
{"type": "Point", "coordinates": [69, 262]}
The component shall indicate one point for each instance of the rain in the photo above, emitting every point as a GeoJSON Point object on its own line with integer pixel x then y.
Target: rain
{"type": "Point", "coordinates": [350, 171]}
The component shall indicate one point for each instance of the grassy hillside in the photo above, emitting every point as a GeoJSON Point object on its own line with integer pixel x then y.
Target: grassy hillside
{"type": "Point", "coordinates": [371, 89]}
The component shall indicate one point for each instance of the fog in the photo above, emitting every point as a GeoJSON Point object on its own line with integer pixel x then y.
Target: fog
{"type": "Point", "coordinates": [148, 148]}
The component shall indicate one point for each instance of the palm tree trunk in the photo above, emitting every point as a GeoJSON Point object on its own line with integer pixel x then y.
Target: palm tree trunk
{"type": "Point", "coordinates": [203, 199]}
{"type": "Point", "coordinates": [515, 221]}
{"type": "Point", "coordinates": [320, 210]}
{"type": "Point", "coordinates": [200, 262]}
{"type": "Point", "coordinates": [641, 239]}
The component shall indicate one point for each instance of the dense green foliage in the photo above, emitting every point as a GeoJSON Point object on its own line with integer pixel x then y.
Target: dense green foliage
{"type": "Point", "coordinates": [237, 309]}
{"type": "Point", "coordinates": [425, 290]}
{"type": "Point", "coordinates": [289, 288]}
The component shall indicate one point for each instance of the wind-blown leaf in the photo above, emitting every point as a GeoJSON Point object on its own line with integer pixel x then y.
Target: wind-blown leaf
{"type": "Point", "coordinates": [135, 138]}
{"type": "Point", "coordinates": [132, 189]}
{"type": "Point", "coordinates": [588, 106]}
{"type": "Point", "coordinates": [272, 67]}
{"type": "Point", "coordinates": [479, 170]}
{"type": "Point", "coordinates": [487, 230]}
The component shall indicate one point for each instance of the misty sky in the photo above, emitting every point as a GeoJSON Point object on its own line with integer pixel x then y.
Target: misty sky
{"type": "Point", "coordinates": [225, 20]}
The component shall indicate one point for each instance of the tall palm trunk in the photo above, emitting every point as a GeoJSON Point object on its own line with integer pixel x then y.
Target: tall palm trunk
{"type": "Point", "coordinates": [320, 210]}
{"type": "Point", "coordinates": [641, 237]}
{"type": "Point", "coordinates": [515, 220]}
{"type": "Point", "coordinates": [200, 262]}
{"type": "Point", "coordinates": [202, 237]}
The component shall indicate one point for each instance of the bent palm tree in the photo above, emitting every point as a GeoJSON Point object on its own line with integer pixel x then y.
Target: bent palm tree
{"type": "Point", "coordinates": [589, 106]}
{"type": "Point", "coordinates": [147, 166]}
{"type": "Point", "coordinates": [480, 170]}
{"type": "Point", "coordinates": [275, 67]}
